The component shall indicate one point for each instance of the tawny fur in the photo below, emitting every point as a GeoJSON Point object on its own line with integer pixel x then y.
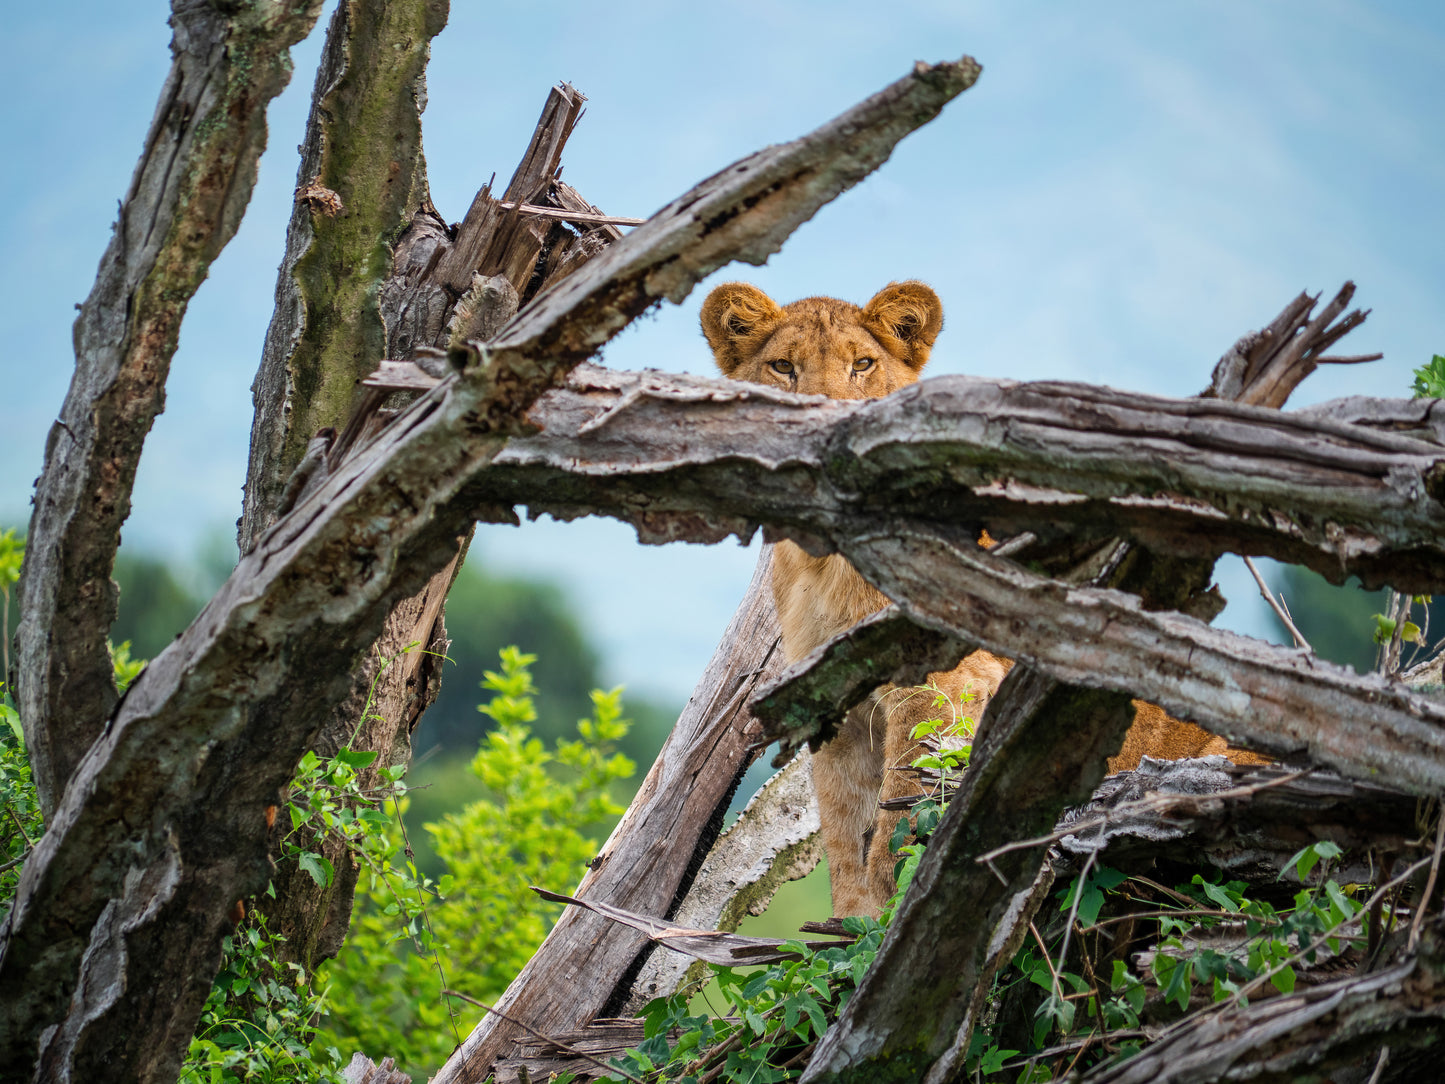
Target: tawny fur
{"type": "Point", "coordinates": [824, 346]}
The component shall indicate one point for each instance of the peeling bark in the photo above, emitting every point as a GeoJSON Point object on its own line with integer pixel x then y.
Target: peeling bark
{"type": "Point", "coordinates": [773, 841]}
{"type": "Point", "coordinates": [1311, 1032]}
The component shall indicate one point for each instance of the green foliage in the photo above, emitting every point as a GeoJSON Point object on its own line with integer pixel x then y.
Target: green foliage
{"type": "Point", "coordinates": [1184, 970]}
{"type": "Point", "coordinates": [125, 668]}
{"type": "Point", "coordinates": [12, 554]}
{"type": "Point", "coordinates": [155, 604]}
{"type": "Point", "coordinates": [1430, 379]}
{"type": "Point", "coordinates": [777, 1012]}
{"type": "Point", "coordinates": [20, 825]}
{"type": "Point", "coordinates": [256, 1023]}
{"type": "Point", "coordinates": [386, 984]}
{"type": "Point", "coordinates": [1334, 619]}
{"type": "Point", "coordinates": [486, 613]}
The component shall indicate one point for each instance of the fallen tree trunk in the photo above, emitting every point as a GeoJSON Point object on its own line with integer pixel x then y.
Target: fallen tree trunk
{"type": "Point", "coordinates": [688, 457]}
{"type": "Point", "coordinates": [775, 459]}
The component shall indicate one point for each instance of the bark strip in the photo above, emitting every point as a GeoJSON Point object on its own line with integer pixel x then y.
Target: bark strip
{"type": "Point", "coordinates": [185, 200]}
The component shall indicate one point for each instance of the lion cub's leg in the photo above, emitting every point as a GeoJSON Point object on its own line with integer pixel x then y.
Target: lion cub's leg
{"type": "Point", "coordinates": [847, 772]}
{"type": "Point", "coordinates": [967, 690]}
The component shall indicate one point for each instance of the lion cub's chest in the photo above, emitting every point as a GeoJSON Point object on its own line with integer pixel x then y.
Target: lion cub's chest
{"type": "Point", "coordinates": [817, 598]}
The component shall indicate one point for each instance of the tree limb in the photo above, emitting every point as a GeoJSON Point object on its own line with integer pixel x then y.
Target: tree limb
{"type": "Point", "coordinates": [696, 458]}
{"type": "Point", "coordinates": [186, 198]}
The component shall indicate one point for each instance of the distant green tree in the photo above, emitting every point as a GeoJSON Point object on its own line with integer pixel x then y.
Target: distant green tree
{"type": "Point", "coordinates": [486, 613]}
{"type": "Point", "coordinates": [155, 606]}
{"type": "Point", "coordinates": [1339, 621]}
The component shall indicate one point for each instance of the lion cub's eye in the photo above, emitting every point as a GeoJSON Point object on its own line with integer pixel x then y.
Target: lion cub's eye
{"type": "Point", "coordinates": [783, 367]}
{"type": "Point", "coordinates": [862, 365]}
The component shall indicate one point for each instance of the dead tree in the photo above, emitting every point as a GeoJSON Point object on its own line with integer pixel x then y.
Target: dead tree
{"type": "Point", "coordinates": [360, 499]}
{"type": "Point", "coordinates": [157, 829]}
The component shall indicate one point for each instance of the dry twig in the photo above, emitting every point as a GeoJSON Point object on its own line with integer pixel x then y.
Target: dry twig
{"type": "Point", "coordinates": [1277, 605]}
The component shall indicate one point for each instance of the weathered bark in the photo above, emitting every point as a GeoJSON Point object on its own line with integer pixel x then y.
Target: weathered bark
{"type": "Point", "coordinates": [587, 964]}
{"type": "Point", "coordinates": [810, 699]}
{"type": "Point", "coordinates": [1273, 699]}
{"type": "Point", "coordinates": [1065, 729]}
{"type": "Point", "coordinates": [361, 179]}
{"type": "Point", "coordinates": [1040, 747]}
{"type": "Point", "coordinates": [334, 315]}
{"type": "Point", "coordinates": [1308, 1034]}
{"type": "Point", "coordinates": [689, 457]}
{"type": "Point", "coordinates": [1185, 814]}
{"type": "Point", "coordinates": [773, 841]}
{"type": "Point", "coordinates": [163, 826]}
{"type": "Point", "coordinates": [185, 200]}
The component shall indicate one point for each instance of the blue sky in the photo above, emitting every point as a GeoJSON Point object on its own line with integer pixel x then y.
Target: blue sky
{"type": "Point", "coordinates": [1128, 188]}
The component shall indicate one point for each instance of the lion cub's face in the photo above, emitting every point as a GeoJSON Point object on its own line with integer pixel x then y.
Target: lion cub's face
{"type": "Point", "coordinates": [820, 345]}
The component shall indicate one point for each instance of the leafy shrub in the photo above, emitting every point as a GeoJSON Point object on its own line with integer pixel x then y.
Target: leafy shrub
{"type": "Point", "coordinates": [386, 985]}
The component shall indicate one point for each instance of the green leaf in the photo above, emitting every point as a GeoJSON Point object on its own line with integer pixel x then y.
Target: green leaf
{"type": "Point", "coordinates": [320, 868]}
{"type": "Point", "coordinates": [1179, 986]}
{"type": "Point", "coordinates": [1217, 893]}
{"type": "Point", "coordinates": [356, 758]}
{"type": "Point", "coordinates": [993, 1059]}
{"type": "Point", "coordinates": [1284, 981]}
{"type": "Point", "coordinates": [1430, 379]}
{"type": "Point", "coordinates": [1305, 860]}
{"type": "Point", "coordinates": [12, 719]}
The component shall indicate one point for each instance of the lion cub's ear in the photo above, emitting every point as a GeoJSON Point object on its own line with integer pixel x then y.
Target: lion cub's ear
{"type": "Point", "coordinates": [906, 317]}
{"type": "Point", "coordinates": [734, 317]}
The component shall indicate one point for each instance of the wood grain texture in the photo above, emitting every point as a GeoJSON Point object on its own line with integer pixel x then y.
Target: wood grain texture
{"type": "Point", "coordinates": [699, 458]}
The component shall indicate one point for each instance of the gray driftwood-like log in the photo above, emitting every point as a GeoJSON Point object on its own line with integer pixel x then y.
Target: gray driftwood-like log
{"type": "Point", "coordinates": [699, 458]}
{"type": "Point", "coordinates": [162, 828]}
{"type": "Point", "coordinates": [1277, 700]}
{"type": "Point", "coordinates": [775, 458]}
{"type": "Point", "coordinates": [587, 964]}
{"type": "Point", "coordinates": [185, 200]}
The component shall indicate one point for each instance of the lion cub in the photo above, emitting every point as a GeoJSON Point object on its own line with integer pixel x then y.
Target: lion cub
{"type": "Point", "coordinates": [823, 346]}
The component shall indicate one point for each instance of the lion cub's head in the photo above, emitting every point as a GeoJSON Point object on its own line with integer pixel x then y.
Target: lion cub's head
{"type": "Point", "coordinates": [821, 345]}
